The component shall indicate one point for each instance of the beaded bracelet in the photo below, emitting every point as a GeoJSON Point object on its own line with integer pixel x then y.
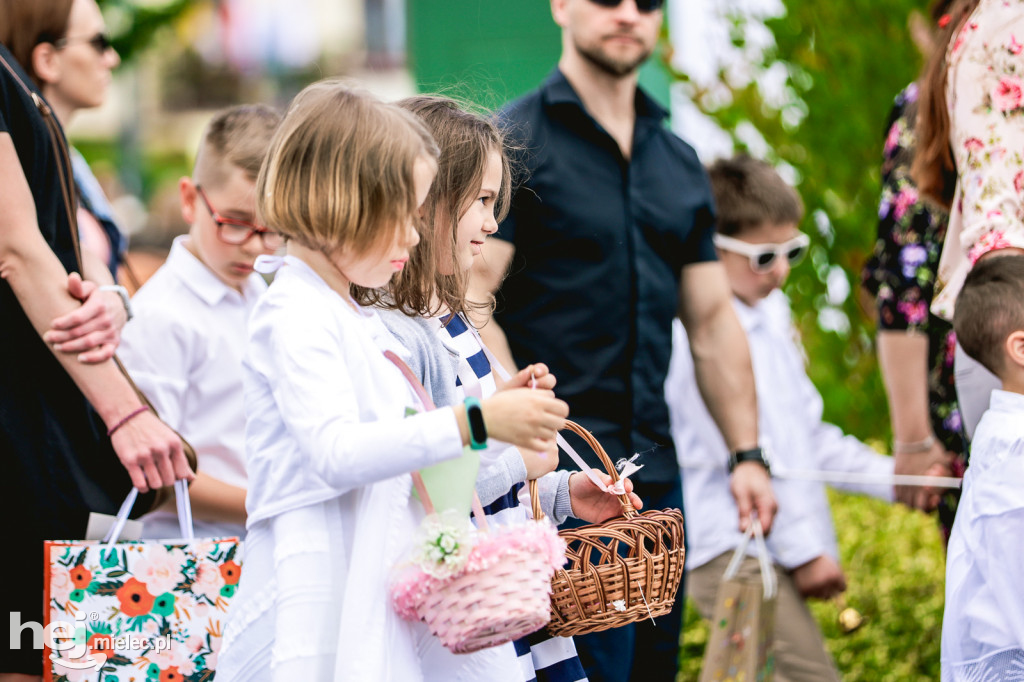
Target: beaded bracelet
{"type": "Point", "coordinates": [127, 418]}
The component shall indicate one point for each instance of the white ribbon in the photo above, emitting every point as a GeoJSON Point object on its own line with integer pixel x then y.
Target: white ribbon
{"type": "Point", "coordinates": [825, 476]}
{"type": "Point", "coordinates": [628, 469]}
{"type": "Point", "coordinates": [266, 265]}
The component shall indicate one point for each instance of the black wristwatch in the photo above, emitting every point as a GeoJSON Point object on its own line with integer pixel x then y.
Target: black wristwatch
{"type": "Point", "coordinates": [757, 454]}
{"type": "Point", "coordinates": [477, 428]}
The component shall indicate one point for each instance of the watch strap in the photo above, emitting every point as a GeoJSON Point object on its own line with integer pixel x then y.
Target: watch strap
{"type": "Point", "coordinates": [752, 455]}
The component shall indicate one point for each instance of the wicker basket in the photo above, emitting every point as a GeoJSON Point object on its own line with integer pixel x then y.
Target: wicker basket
{"type": "Point", "coordinates": [620, 571]}
{"type": "Point", "coordinates": [503, 591]}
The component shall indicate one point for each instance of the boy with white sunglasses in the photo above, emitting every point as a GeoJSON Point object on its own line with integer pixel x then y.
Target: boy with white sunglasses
{"type": "Point", "coordinates": [758, 241]}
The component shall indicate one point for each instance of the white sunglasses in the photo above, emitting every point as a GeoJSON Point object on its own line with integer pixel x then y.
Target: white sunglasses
{"type": "Point", "coordinates": [762, 256]}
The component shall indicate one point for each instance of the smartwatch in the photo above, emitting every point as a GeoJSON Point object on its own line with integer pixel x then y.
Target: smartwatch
{"type": "Point", "coordinates": [757, 454]}
{"type": "Point", "coordinates": [125, 299]}
{"type": "Point", "coordinates": [477, 428]}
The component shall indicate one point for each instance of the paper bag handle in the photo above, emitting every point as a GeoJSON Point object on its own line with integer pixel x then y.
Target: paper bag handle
{"type": "Point", "coordinates": [184, 513]}
{"type": "Point", "coordinates": [768, 579]}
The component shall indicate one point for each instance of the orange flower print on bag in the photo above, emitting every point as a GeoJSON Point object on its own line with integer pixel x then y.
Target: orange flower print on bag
{"type": "Point", "coordinates": [135, 598]}
{"type": "Point", "coordinates": [151, 611]}
{"type": "Point", "coordinates": [81, 577]}
{"type": "Point", "coordinates": [231, 572]}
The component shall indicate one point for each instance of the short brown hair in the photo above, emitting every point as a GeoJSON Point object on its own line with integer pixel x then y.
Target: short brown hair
{"type": "Point", "coordinates": [465, 139]}
{"type": "Point", "coordinates": [27, 23]}
{"type": "Point", "coordinates": [989, 308]}
{"type": "Point", "coordinates": [238, 137]}
{"type": "Point", "coordinates": [340, 169]}
{"type": "Point", "coordinates": [749, 193]}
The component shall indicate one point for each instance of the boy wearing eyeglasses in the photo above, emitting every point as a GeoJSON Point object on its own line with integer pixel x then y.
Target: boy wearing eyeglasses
{"type": "Point", "coordinates": [758, 241]}
{"type": "Point", "coordinates": [185, 346]}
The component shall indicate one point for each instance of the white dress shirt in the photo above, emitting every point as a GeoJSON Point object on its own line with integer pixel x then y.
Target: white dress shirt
{"type": "Point", "coordinates": [983, 622]}
{"type": "Point", "coordinates": [184, 349]}
{"type": "Point", "coordinates": [789, 419]}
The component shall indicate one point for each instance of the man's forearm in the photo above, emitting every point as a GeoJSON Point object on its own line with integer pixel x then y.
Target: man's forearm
{"type": "Point", "coordinates": [721, 360]}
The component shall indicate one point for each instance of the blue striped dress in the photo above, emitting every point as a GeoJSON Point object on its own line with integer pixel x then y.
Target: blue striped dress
{"type": "Point", "coordinates": [543, 658]}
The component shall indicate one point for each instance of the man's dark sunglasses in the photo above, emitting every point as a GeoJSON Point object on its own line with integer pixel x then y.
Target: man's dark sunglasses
{"type": "Point", "coordinates": [641, 5]}
{"type": "Point", "coordinates": [100, 42]}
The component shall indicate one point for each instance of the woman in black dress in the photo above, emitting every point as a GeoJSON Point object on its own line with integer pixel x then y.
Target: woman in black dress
{"type": "Point", "coordinates": [55, 411]}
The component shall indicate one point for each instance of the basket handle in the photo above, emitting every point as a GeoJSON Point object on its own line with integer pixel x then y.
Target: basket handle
{"type": "Point", "coordinates": [627, 507]}
{"type": "Point", "coordinates": [428, 405]}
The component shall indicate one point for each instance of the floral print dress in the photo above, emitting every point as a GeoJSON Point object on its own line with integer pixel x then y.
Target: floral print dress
{"type": "Point", "coordinates": [985, 96]}
{"type": "Point", "coordinates": [901, 276]}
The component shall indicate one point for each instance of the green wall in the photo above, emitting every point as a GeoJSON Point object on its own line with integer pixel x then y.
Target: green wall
{"type": "Point", "coordinates": [490, 51]}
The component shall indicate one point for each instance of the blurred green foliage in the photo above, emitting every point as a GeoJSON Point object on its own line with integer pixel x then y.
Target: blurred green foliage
{"type": "Point", "coordinates": [893, 559]}
{"type": "Point", "coordinates": [132, 25]}
{"type": "Point", "coordinates": [846, 61]}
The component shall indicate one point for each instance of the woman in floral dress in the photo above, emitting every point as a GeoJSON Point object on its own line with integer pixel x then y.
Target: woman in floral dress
{"type": "Point", "coordinates": [915, 347]}
{"type": "Point", "coordinates": [972, 122]}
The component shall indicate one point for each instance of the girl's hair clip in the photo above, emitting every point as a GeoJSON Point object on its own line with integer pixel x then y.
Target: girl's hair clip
{"type": "Point", "coordinates": [944, 20]}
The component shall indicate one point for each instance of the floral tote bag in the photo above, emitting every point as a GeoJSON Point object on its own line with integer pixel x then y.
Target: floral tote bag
{"type": "Point", "coordinates": [148, 611]}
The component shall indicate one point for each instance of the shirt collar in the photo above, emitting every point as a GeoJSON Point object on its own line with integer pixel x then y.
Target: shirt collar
{"type": "Point", "coordinates": [202, 282]}
{"type": "Point", "coordinates": [751, 317]}
{"type": "Point", "coordinates": [1006, 401]}
{"type": "Point", "coordinates": [557, 90]}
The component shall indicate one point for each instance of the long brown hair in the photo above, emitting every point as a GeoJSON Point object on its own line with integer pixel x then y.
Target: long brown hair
{"type": "Point", "coordinates": [27, 23]}
{"type": "Point", "coordinates": [933, 170]}
{"type": "Point", "coordinates": [466, 139]}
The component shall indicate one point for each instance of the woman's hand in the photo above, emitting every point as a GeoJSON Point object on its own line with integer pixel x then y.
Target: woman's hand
{"type": "Point", "coordinates": [525, 377]}
{"type": "Point", "coordinates": [936, 461]}
{"type": "Point", "coordinates": [94, 329]}
{"type": "Point", "coordinates": [151, 452]}
{"type": "Point", "coordinates": [593, 505]}
{"type": "Point", "coordinates": [527, 418]}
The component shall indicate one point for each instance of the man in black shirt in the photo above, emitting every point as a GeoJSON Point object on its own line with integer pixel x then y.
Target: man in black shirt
{"type": "Point", "coordinates": [608, 239]}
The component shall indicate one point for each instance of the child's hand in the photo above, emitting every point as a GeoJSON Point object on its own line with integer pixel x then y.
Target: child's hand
{"type": "Point", "coordinates": [593, 505]}
{"type": "Point", "coordinates": [820, 578]}
{"type": "Point", "coordinates": [540, 463]}
{"type": "Point", "coordinates": [526, 418]}
{"type": "Point", "coordinates": [524, 378]}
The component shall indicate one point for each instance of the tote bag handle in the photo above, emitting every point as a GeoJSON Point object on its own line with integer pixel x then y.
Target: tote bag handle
{"type": "Point", "coordinates": [768, 579]}
{"type": "Point", "coordinates": [184, 513]}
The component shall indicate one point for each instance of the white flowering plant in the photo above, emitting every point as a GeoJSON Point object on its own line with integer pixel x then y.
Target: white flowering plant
{"type": "Point", "coordinates": [443, 544]}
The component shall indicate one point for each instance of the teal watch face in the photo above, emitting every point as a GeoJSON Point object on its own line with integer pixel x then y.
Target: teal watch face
{"type": "Point", "coordinates": [477, 430]}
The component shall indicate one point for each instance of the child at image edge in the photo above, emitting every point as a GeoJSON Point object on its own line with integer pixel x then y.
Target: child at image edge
{"type": "Point", "coordinates": [758, 240]}
{"type": "Point", "coordinates": [983, 622]}
{"type": "Point", "coordinates": [185, 345]}
{"type": "Point", "coordinates": [328, 445]}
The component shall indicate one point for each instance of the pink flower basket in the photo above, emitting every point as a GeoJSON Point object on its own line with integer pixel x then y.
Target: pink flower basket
{"type": "Point", "coordinates": [503, 593]}
{"type": "Point", "coordinates": [476, 588]}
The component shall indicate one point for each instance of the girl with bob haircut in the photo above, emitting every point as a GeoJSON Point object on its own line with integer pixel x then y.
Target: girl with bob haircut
{"type": "Point", "coordinates": [428, 309]}
{"type": "Point", "coordinates": [329, 449]}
